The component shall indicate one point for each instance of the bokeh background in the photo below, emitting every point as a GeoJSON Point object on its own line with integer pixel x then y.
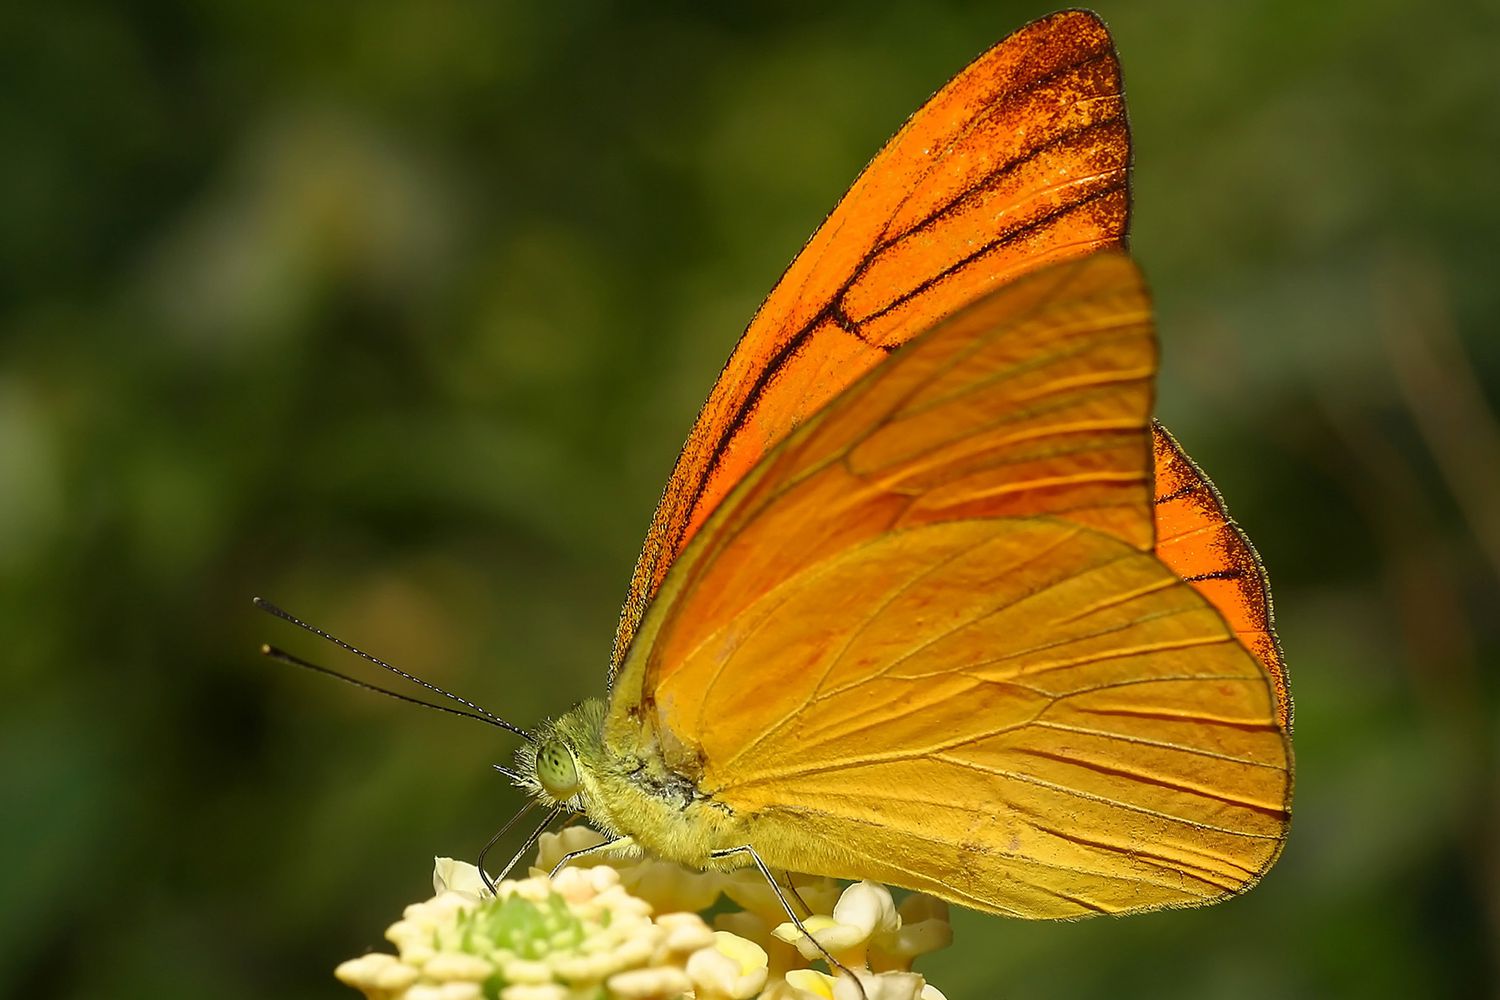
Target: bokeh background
{"type": "Point", "coordinates": [397, 313]}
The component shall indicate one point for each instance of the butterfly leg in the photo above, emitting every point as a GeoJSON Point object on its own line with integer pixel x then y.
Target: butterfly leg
{"type": "Point", "coordinates": [618, 844]}
{"type": "Point", "coordinates": [791, 889]}
{"type": "Point", "coordinates": [786, 905]}
{"type": "Point", "coordinates": [531, 839]}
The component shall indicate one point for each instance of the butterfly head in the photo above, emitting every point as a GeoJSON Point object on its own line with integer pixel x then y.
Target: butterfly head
{"type": "Point", "coordinates": [557, 764]}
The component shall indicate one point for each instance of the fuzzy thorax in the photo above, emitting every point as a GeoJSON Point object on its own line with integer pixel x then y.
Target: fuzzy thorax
{"type": "Point", "coordinates": [628, 791]}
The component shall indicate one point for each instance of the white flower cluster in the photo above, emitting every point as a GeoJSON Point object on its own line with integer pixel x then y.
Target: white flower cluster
{"type": "Point", "coordinates": [627, 930]}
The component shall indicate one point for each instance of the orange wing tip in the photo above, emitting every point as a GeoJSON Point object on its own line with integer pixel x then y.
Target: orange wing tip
{"type": "Point", "coordinates": [1074, 27]}
{"type": "Point", "coordinates": [1202, 544]}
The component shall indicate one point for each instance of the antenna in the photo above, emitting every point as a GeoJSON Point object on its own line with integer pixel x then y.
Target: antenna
{"type": "Point", "coordinates": [281, 655]}
{"type": "Point", "coordinates": [483, 714]}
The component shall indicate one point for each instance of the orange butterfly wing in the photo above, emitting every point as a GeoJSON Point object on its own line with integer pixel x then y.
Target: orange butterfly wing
{"type": "Point", "coordinates": [1020, 160]}
{"type": "Point", "coordinates": [1197, 539]}
{"type": "Point", "coordinates": [926, 640]}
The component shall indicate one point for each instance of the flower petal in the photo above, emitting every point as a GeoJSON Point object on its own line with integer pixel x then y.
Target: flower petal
{"type": "Point", "coordinates": [449, 875]}
{"type": "Point", "coordinates": [732, 969]}
{"type": "Point", "coordinates": [649, 984]}
{"type": "Point", "coordinates": [811, 983]}
{"type": "Point", "coordinates": [868, 906]}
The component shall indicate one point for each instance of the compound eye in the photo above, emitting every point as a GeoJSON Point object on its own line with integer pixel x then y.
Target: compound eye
{"type": "Point", "coordinates": [556, 770]}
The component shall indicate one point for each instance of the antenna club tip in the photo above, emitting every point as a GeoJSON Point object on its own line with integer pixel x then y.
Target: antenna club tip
{"type": "Point", "coordinates": [266, 649]}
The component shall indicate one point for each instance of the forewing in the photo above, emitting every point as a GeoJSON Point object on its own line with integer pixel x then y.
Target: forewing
{"type": "Point", "coordinates": [1034, 401]}
{"type": "Point", "coordinates": [1020, 160]}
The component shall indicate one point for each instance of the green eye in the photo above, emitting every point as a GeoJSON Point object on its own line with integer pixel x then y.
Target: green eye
{"type": "Point", "coordinates": [556, 771]}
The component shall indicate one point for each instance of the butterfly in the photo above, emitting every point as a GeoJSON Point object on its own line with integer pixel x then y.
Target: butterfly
{"type": "Point", "coordinates": [929, 598]}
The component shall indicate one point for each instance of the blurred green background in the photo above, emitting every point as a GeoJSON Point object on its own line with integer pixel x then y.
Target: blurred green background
{"type": "Point", "coordinates": [397, 313]}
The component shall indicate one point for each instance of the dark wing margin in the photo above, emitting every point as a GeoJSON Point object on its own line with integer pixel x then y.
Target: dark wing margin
{"type": "Point", "coordinates": [1197, 538]}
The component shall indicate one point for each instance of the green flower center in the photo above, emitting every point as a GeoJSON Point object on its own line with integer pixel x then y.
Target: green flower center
{"type": "Point", "coordinates": [518, 926]}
